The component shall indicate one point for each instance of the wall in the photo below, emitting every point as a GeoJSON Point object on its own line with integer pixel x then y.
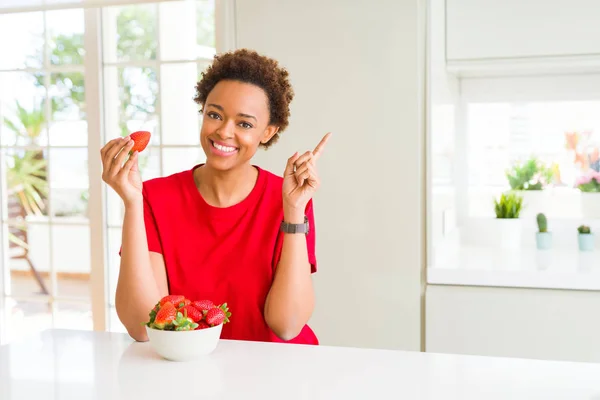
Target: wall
{"type": "Point", "coordinates": [356, 72]}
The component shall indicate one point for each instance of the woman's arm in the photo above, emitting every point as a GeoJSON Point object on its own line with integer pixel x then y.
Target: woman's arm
{"type": "Point", "coordinates": [291, 300]}
{"type": "Point", "coordinates": [142, 276]}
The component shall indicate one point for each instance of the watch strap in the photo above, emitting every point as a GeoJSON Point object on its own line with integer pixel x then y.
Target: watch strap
{"type": "Point", "coordinates": [286, 227]}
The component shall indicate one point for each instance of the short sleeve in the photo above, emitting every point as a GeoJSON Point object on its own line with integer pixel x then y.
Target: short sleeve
{"type": "Point", "coordinates": [151, 226]}
{"type": "Point", "coordinates": [310, 240]}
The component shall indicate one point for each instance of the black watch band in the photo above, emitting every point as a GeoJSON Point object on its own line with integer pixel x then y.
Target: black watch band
{"type": "Point", "coordinates": [286, 227]}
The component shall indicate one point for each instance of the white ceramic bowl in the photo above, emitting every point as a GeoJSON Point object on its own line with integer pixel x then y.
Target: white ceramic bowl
{"type": "Point", "coordinates": [184, 345]}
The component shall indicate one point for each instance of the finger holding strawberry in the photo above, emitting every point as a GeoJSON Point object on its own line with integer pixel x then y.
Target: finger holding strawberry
{"type": "Point", "coordinates": [120, 165]}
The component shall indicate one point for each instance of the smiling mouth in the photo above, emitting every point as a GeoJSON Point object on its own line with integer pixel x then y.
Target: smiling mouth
{"type": "Point", "coordinates": [224, 149]}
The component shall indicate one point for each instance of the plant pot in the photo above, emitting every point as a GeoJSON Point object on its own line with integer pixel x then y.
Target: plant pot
{"type": "Point", "coordinates": [509, 233]}
{"type": "Point", "coordinates": [543, 240]}
{"type": "Point", "coordinates": [590, 205]}
{"type": "Point", "coordinates": [535, 202]}
{"type": "Point", "coordinates": [586, 241]}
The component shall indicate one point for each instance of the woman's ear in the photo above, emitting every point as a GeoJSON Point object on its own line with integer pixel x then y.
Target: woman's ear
{"type": "Point", "coordinates": [270, 131]}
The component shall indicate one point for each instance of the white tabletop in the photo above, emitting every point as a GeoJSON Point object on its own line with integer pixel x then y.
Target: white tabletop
{"type": "Point", "coordinates": [62, 364]}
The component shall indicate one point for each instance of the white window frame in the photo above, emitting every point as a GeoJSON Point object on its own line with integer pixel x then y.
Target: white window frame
{"type": "Point", "coordinates": [93, 68]}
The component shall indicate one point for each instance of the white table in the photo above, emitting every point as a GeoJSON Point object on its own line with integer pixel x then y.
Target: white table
{"type": "Point", "coordinates": [62, 364]}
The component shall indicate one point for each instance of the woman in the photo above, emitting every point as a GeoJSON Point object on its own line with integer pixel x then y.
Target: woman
{"type": "Point", "coordinates": [225, 230]}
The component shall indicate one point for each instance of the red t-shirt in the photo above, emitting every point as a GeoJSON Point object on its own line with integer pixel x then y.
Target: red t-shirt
{"type": "Point", "coordinates": [223, 254]}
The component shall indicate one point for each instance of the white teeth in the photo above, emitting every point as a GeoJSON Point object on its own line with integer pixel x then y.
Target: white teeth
{"type": "Point", "coordinates": [226, 149]}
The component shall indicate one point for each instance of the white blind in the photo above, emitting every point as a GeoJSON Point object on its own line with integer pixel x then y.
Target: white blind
{"type": "Point", "coordinates": [15, 6]}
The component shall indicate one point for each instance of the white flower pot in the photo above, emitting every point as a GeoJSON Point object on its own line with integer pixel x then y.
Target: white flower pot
{"type": "Point", "coordinates": [535, 202]}
{"type": "Point", "coordinates": [590, 205]}
{"type": "Point", "coordinates": [509, 233]}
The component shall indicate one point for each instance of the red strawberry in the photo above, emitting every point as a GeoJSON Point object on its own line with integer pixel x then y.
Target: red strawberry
{"type": "Point", "coordinates": [184, 303]}
{"type": "Point", "coordinates": [203, 305]}
{"type": "Point", "coordinates": [192, 313]}
{"type": "Point", "coordinates": [165, 316]}
{"type": "Point", "coordinates": [202, 325]}
{"type": "Point", "coordinates": [141, 139]}
{"type": "Point", "coordinates": [176, 299]}
{"type": "Point", "coordinates": [215, 316]}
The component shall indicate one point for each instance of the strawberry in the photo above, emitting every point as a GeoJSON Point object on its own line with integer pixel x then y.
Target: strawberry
{"type": "Point", "coordinates": [176, 299]}
{"type": "Point", "coordinates": [141, 140]}
{"type": "Point", "coordinates": [183, 323]}
{"type": "Point", "coordinates": [165, 316]}
{"type": "Point", "coordinates": [215, 316]}
{"type": "Point", "coordinates": [203, 305]}
{"type": "Point", "coordinates": [202, 325]}
{"type": "Point", "coordinates": [191, 312]}
{"type": "Point", "coordinates": [152, 314]}
{"type": "Point", "coordinates": [184, 303]}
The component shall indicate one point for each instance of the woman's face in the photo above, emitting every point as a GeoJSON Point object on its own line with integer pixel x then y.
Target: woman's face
{"type": "Point", "coordinates": [235, 122]}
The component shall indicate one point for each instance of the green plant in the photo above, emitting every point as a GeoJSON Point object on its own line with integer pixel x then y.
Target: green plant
{"type": "Point", "coordinates": [530, 175]}
{"type": "Point", "coordinates": [542, 223]}
{"type": "Point", "coordinates": [584, 230]}
{"type": "Point", "coordinates": [27, 180]}
{"type": "Point", "coordinates": [28, 124]}
{"type": "Point", "coordinates": [508, 206]}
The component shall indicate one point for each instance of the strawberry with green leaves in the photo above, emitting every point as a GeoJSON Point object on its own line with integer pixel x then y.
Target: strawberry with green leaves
{"type": "Point", "coordinates": [176, 299]}
{"type": "Point", "coordinates": [140, 140]}
{"type": "Point", "coordinates": [218, 315]}
{"type": "Point", "coordinates": [191, 312]}
{"type": "Point", "coordinates": [165, 316]}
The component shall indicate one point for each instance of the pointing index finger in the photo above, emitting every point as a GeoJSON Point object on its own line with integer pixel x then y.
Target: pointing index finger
{"type": "Point", "coordinates": [321, 146]}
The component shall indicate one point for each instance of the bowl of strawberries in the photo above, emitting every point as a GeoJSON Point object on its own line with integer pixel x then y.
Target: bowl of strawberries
{"type": "Point", "coordinates": [180, 329]}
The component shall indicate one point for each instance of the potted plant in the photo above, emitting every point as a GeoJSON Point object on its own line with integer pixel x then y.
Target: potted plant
{"type": "Point", "coordinates": [508, 208]}
{"type": "Point", "coordinates": [585, 238]}
{"type": "Point", "coordinates": [543, 238]}
{"type": "Point", "coordinates": [589, 186]}
{"type": "Point", "coordinates": [529, 179]}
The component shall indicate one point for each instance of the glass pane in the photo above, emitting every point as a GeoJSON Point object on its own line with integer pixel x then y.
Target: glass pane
{"type": "Point", "coordinates": [28, 255]}
{"type": "Point", "coordinates": [115, 207]}
{"type": "Point", "coordinates": [23, 319]}
{"type": "Point", "coordinates": [178, 109]}
{"type": "Point", "coordinates": [25, 175]}
{"type": "Point", "coordinates": [69, 183]}
{"type": "Point", "coordinates": [67, 93]}
{"type": "Point", "coordinates": [23, 41]}
{"type": "Point", "coordinates": [149, 163]}
{"type": "Point", "coordinates": [177, 160]}
{"type": "Point", "coordinates": [114, 260]}
{"type": "Point", "coordinates": [130, 33]}
{"type": "Point", "coordinates": [205, 22]}
{"type": "Point", "coordinates": [71, 258]}
{"type": "Point", "coordinates": [65, 31]}
{"type": "Point", "coordinates": [130, 101]}
{"type": "Point", "coordinates": [22, 109]}
{"type": "Point", "coordinates": [73, 316]}
{"type": "Point", "coordinates": [193, 35]}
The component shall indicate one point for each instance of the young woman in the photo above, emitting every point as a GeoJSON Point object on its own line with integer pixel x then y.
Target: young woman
{"type": "Point", "coordinates": [226, 230]}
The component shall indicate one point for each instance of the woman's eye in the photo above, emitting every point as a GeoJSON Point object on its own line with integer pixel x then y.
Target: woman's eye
{"type": "Point", "coordinates": [213, 115]}
{"type": "Point", "coordinates": [245, 125]}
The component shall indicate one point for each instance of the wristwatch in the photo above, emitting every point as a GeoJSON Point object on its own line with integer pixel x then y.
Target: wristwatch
{"type": "Point", "coordinates": [286, 227]}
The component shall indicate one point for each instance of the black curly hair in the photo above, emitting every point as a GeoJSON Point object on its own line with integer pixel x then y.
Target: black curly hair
{"type": "Point", "coordinates": [250, 67]}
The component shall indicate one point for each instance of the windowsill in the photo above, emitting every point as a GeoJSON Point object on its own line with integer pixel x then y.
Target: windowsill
{"type": "Point", "coordinates": [527, 267]}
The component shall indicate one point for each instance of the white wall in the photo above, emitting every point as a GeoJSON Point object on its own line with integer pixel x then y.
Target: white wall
{"type": "Point", "coordinates": [524, 323]}
{"type": "Point", "coordinates": [355, 69]}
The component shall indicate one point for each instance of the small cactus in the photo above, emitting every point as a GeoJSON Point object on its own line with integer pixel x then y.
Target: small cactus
{"type": "Point", "coordinates": [584, 230]}
{"type": "Point", "coordinates": [542, 223]}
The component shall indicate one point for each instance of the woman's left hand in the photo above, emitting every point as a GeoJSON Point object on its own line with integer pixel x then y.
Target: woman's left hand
{"type": "Point", "coordinates": [300, 179]}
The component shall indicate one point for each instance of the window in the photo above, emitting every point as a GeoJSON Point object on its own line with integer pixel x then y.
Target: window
{"type": "Point", "coordinates": [149, 66]}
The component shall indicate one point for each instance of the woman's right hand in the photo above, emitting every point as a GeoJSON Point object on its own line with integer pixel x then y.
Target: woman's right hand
{"type": "Point", "coordinates": [123, 177]}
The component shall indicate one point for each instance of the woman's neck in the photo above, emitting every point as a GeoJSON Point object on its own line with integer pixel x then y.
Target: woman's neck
{"type": "Point", "coordinates": [225, 188]}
